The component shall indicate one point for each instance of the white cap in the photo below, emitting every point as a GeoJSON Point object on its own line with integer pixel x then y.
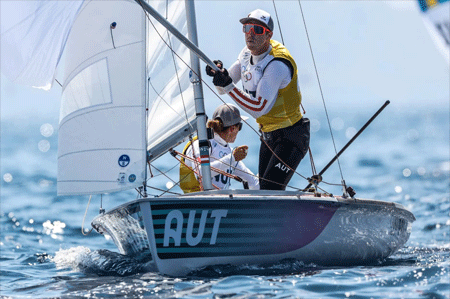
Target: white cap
{"type": "Point", "coordinates": [261, 16]}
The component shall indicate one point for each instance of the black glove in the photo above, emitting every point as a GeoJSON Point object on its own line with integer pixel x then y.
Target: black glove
{"type": "Point", "coordinates": [209, 69]}
{"type": "Point", "coordinates": [222, 78]}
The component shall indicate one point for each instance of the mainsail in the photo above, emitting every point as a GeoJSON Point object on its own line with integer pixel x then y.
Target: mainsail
{"type": "Point", "coordinates": [436, 15]}
{"type": "Point", "coordinates": [171, 96]}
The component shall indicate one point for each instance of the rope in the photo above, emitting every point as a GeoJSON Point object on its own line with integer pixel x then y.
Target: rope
{"type": "Point", "coordinates": [320, 86]}
{"type": "Point", "coordinates": [313, 166]}
{"type": "Point", "coordinates": [231, 175]}
{"type": "Point", "coordinates": [84, 218]}
{"type": "Point", "coordinates": [278, 21]}
{"type": "Point", "coordinates": [154, 89]}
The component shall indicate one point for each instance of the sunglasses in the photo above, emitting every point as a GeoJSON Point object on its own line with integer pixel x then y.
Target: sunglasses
{"type": "Point", "coordinates": [239, 126]}
{"type": "Point", "coordinates": [257, 29]}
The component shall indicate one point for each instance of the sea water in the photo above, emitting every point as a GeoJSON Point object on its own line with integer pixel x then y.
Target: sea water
{"type": "Point", "coordinates": [48, 250]}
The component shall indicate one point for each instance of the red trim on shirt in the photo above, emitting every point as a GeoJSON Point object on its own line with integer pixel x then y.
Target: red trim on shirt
{"type": "Point", "coordinates": [264, 102]}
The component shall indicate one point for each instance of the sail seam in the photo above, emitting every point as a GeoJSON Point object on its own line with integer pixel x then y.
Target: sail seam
{"type": "Point", "coordinates": [103, 149]}
{"type": "Point", "coordinates": [87, 112]}
{"type": "Point", "coordinates": [87, 181]}
{"type": "Point", "coordinates": [75, 71]}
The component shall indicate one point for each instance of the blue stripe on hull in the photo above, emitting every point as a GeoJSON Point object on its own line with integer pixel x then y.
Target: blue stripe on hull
{"type": "Point", "coordinates": [250, 228]}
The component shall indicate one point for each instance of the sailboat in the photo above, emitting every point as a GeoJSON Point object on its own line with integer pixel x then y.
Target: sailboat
{"type": "Point", "coordinates": [131, 92]}
{"type": "Point", "coordinates": [436, 17]}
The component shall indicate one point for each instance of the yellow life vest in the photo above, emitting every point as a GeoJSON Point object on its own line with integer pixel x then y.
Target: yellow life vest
{"type": "Point", "coordinates": [286, 110]}
{"type": "Point", "coordinates": [188, 180]}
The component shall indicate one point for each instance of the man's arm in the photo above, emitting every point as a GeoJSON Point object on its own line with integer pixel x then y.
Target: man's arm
{"type": "Point", "coordinates": [277, 75]}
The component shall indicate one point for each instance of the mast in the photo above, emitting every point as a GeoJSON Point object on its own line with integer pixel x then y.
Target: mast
{"type": "Point", "coordinates": [198, 98]}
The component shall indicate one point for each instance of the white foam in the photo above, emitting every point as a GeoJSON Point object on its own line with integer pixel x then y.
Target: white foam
{"type": "Point", "coordinates": [71, 258]}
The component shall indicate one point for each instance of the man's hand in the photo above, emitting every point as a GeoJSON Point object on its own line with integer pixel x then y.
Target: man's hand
{"type": "Point", "coordinates": [222, 78]}
{"type": "Point", "coordinates": [210, 72]}
{"type": "Point", "coordinates": [240, 152]}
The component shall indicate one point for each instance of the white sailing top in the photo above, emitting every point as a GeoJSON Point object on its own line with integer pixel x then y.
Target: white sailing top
{"type": "Point", "coordinates": [276, 76]}
{"type": "Point", "coordinates": [222, 158]}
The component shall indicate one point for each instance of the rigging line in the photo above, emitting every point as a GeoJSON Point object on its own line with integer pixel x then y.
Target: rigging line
{"type": "Point", "coordinates": [320, 86]}
{"type": "Point", "coordinates": [313, 165]}
{"type": "Point", "coordinates": [154, 89]}
{"type": "Point", "coordinates": [332, 184]}
{"type": "Point", "coordinates": [175, 67]}
{"type": "Point", "coordinates": [220, 171]}
{"type": "Point", "coordinates": [304, 112]}
{"type": "Point", "coordinates": [215, 93]}
{"type": "Point", "coordinates": [175, 183]}
{"type": "Point", "coordinates": [232, 176]}
{"type": "Point", "coordinates": [165, 191]}
{"type": "Point", "coordinates": [173, 53]}
{"type": "Point", "coordinates": [84, 218]}
{"type": "Point", "coordinates": [282, 41]}
{"type": "Point", "coordinates": [111, 27]}
{"type": "Point", "coordinates": [278, 21]}
{"type": "Point", "coordinates": [185, 176]}
{"type": "Point", "coordinates": [162, 173]}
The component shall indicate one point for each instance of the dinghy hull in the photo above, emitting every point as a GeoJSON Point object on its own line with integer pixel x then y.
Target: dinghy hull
{"type": "Point", "coordinates": [188, 232]}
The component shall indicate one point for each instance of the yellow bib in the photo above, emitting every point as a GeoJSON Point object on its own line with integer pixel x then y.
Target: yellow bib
{"type": "Point", "coordinates": [188, 180]}
{"type": "Point", "coordinates": [286, 110]}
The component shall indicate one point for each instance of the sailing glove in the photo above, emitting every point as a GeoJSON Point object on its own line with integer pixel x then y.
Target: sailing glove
{"type": "Point", "coordinates": [209, 69]}
{"type": "Point", "coordinates": [222, 78]}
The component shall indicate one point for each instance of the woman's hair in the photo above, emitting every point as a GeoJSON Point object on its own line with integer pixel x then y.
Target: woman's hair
{"type": "Point", "coordinates": [216, 125]}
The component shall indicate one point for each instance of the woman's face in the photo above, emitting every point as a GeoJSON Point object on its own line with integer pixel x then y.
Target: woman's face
{"type": "Point", "coordinates": [231, 134]}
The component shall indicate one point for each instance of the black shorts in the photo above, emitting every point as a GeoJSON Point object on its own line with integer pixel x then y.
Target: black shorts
{"type": "Point", "coordinates": [290, 145]}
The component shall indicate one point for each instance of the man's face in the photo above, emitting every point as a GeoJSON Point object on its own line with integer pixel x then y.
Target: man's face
{"type": "Point", "coordinates": [257, 42]}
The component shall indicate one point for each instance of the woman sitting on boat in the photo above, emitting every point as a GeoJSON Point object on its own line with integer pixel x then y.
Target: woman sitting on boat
{"type": "Point", "coordinates": [226, 124]}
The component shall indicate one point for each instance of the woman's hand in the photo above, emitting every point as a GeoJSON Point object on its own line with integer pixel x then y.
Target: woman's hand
{"type": "Point", "coordinates": [240, 152]}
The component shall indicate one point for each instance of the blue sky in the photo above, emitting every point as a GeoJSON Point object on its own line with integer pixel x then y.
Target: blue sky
{"type": "Point", "coordinates": [366, 52]}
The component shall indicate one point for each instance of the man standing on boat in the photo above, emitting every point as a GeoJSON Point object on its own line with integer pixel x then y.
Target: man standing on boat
{"type": "Point", "coordinates": [226, 124]}
{"type": "Point", "coordinates": [271, 95]}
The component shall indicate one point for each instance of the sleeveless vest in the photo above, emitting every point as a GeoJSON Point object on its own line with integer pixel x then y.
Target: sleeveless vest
{"type": "Point", "coordinates": [286, 110]}
{"type": "Point", "coordinates": [188, 180]}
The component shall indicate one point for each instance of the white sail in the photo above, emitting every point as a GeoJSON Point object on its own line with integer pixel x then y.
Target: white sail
{"type": "Point", "coordinates": [33, 36]}
{"type": "Point", "coordinates": [436, 15]}
{"type": "Point", "coordinates": [119, 76]}
{"type": "Point", "coordinates": [171, 96]}
{"type": "Point", "coordinates": [101, 145]}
